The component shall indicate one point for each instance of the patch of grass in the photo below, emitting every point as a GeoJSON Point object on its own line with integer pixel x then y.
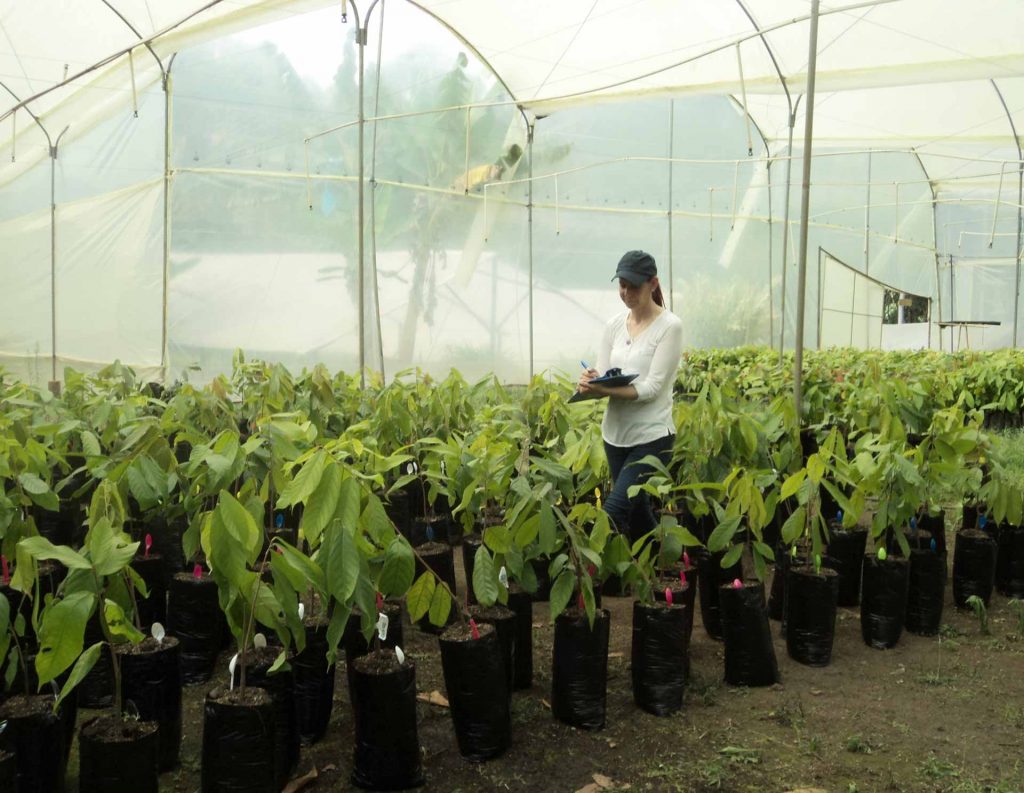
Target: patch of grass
{"type": "Point", "coordinates": [1014, 714]}
{"type": "Point", "coordinates": [814, 744]}
{"type": "Point", "coordinates": [936, 678]}
{"type": "Point", "coordinates": [948, 631]}
{"type": "Point", "coordinates": [934, 768]}
{"type": "Point", "coordinates": [705, 690]}
{"type": "Point", "coordinates": [788, 714]}
{"type": "Point", "coordinates": [713, 773]}
{"type": "Point", "coordinates": [741, 756]}
{"type": "Point", "coordinates": [858, 745]}
{"type": "Point", "coordinates": [981, 612]}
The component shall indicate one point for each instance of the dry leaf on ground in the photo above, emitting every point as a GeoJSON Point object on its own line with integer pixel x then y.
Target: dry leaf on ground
{"type": "Point", "coordinates": [433, 698]}
{"type": "Point", "coordinates": [300, 782]}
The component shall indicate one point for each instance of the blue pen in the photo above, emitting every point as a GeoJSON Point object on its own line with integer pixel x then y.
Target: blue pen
{"type": "Point", "coordinates": [584, 364]}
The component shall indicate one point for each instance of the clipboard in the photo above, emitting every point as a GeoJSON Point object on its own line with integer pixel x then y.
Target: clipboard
{"type": "Point", "coordinates": [613, 381]}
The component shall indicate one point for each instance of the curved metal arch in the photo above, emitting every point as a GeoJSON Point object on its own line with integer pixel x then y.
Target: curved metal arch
{"type": "Point", "coordinates": [49, 140]}
{"type": "Point", "coordinates": [479, 56]}
{"type": "Point", "coordinates": [142, 39]}
{"type": "Point", "coordinates": [771, 54]}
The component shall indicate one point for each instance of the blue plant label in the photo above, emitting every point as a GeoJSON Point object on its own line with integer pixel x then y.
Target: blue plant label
{"type": "Point", "coordinates": [279, 520]}
{"type": "Point", "coordinates": [982, 520]}
{"type": "Point", "coordinates": [430, 533]}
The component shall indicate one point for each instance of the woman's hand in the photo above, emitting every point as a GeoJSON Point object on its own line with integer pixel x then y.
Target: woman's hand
{"type": "Point", "coordinates": [584, 382]}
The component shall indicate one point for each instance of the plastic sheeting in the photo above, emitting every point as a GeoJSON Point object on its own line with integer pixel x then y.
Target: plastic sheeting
{"type": "Point", "coordinates": [915, 163]}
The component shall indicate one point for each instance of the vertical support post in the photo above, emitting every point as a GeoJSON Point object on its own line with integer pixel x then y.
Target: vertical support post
{"type": "Point", "coordinates": [671, 169]}
{"type": "Point", "coordinates": [165, 287]}
{"type": "Point", "coordinates": [771, 274]}
{"type": "Point", "coordinates": [361, 33]}
{"type": "Point", "coordinates": [805, 202]}
{"type": "Point", "coordinates": [785, 236]}
{"type": "Point", "coordinates": [529, 232]}
{"type": "Point", "coordinates": [54, 383]}
{"type": "Point", "coordinates": [867, 222]}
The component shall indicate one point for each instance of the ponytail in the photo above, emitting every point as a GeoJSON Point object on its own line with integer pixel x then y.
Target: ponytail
{"type": "Point", "coordinates": [657, 296]}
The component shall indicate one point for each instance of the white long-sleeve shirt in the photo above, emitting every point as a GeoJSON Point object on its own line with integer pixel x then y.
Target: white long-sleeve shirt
{"type": "Point", "coordinates": [654, 357]}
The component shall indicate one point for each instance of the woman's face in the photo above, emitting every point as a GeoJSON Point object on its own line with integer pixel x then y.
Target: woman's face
{"type": "Point", "coordinates": [636, 296]}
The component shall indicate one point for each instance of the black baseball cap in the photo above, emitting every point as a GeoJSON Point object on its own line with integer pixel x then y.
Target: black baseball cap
{"type": "Point", "coordinates": [636, 267]}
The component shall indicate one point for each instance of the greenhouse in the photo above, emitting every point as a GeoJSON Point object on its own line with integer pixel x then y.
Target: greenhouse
{"type": "Point", "coordinates": [184, 179]}
{"type": "Point", "coordinates": [329, 458]}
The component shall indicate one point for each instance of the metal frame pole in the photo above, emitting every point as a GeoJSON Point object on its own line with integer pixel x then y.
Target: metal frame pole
{"type": "Point", "coordinates": [785, 232]}
{"type": "Point", "coordinates": [529, 232]}
{"type": "Point", "coordinates": [165, 360]}
{"type": "Point", "coordinates": [54, 384]}
{"type": "Point", "coordinates": [671, 168]}
{"type": "Point", "coordinates": [805, 202]}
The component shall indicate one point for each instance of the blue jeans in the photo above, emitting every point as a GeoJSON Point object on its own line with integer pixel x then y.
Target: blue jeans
{"type": "Point", "coordinates": [633, 517]}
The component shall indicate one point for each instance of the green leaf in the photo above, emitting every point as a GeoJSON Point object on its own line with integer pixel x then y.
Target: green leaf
{"type": "Point", "coordinates": [109, 550]}
{"type": "Point", "coordinates": [33, 485]}
{"type": "Point", "coordinates": [732, 556]}
{"type": "Point", "coordinates": [375, 521]}
{"type": "Point", "coordinates": [420, 596]}
{"type": "Point", "coordinates": [349, 502]}
{"type": "Point", "coordinates": [86, 661]}
{"type": "Point", "coordinates": [815, 468]}
{"type": "Point", "coordinates": [440, 607]}
{"type": "Point", "coordinates": [305, 482]}
{"type": "Point", "coordinates": [241, 524]}
{"type": "Point", "coordinates": [547, 531]}
{"type": "Point", "coordinates": [527, 531]}
{"type": "Point", "coordinates": [61, 634]}
{"type": "Point", "coordinates": [5, 624]}
{"type": "Point", "coordinates": [399, 568]}
{"type": "Point", "coordinates": [321, 505]}
{"type": "Point", "coordinates": [497, 539]}
{"type": "Point", "coordinates": [723, 534]}
{"type": "Point", "coordinates": [794, 525]}
{"type": "Point", "coordinates": [119, 625]}
{"type": "Point", "coordinates": [561, 591]}
{"type": "Point", "coordinates": [336, 630]}
{"type": "Point", "coordinates": [41, 548]}
{"type": "Point", "coordinates": [792, 483]}
{"type": "Point", "coordinates": [485, 583]}
{"type": "Point", "coordinates": [340, 560]}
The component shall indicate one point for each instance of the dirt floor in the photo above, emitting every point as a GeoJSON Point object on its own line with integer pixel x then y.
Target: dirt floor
{"type": "Point", "coordinates": [938, 714]}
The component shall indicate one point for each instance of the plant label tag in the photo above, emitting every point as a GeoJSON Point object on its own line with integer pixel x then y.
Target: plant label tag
{"type": "Point", "coordinates": [382, 626]}
{"type": "Point", "coordinates": [231, 671]}
{"type": "Point", "coordinates": [157, 631]}
{"type": "Point", "coordinates": [302, 611]}
{"type": "Point", "coordinates": [399, 654]}
{"type": "Point", "coordinates": [259, 641]}
{"type": "Point", "coordinates": [503, 576]}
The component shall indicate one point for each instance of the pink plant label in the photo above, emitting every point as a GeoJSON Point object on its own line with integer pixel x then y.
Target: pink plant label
{"type": "Point", "coordinates": [591, 570]}
{"type": "Point", "coordinates": [473, 629]}
{"type": "Point", "coordinates": [737, 584]}
{"type": "Point", "coordinates": [149, 544]}
{"type": "Point", "coordinates": [682, 577]}
{"type": "Point", "coordinates": [197, 571]}
{"type": "Point", "coordinates": [668, 595]}
{"type": "Point", "coordinates": [380, 602]}
{"type": "Point", "coordinates": [6, 570]}
{"type": "Point", "coordinates": [686, 558]}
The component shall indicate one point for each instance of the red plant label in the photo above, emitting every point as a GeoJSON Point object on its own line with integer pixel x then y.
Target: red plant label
{"type": "Point", "coordinates": [682, 577]}
{"type": "Point", "coordinates": [380, 602]}
{"type": "Point", "coordinates": [668, 595]}
{"type": "Point", "coordinates": [149, 544]}
{"type": "Point", "coordinates": [473, 628]}
{"type": "Point", "coordinates": [6, 570]}
{"type": "Point", "coordinates": [737, 584]}
{"type": "Point", "coordinates": [197, 571]}
{"type": "Point", "coordinates": [580, 604]}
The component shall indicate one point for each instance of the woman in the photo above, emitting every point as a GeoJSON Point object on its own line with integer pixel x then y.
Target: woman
{"type": "Point", "coordinates": [646, 340]}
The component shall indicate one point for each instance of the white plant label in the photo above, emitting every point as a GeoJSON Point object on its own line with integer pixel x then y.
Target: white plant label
{"type": "Point", "coordinates": [231, 671]}
{"type": "Point", "coordinates": [382, 626]}
{"type": "Point", "coordinates": [399, 654]}
{"type": "Point", "coordinates": [259, 641]}
{"type": "Point", "coordinates": [302, 611]}
{"type": "Point", "coordinates": [157, 632]}
{"type": "Point", "coordinates": [503, 576]}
